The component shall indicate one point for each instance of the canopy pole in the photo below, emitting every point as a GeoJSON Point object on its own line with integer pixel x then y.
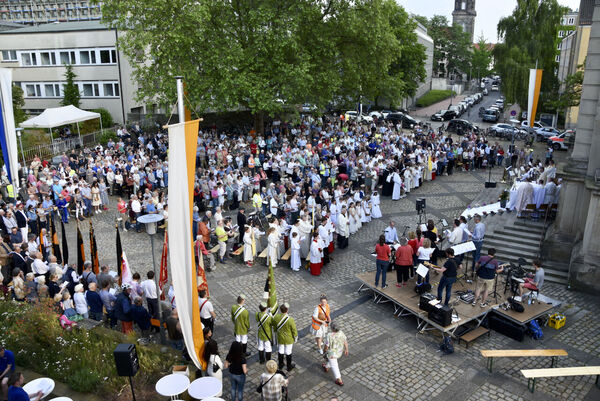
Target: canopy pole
{"type": "Point", "coordinates": [79, 134]}
{"type": "Point", "coordinates": [51, 137]}
{"type": "Point", "coordinates": [101, 130]}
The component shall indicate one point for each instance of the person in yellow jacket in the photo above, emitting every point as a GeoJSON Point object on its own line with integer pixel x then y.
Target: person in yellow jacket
{"type": "Point", "coordinates": [257, 202]}
{"type": "Point", "coordinates": [287, 335]}
{"type": "Point", "coordinates": [241, 322]}
{"type": "Point", "coordinates": [321, 318]}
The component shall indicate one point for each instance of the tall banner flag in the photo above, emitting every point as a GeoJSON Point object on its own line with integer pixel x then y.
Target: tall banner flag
{"type": "Point", "coordinates": [119, 256]}
{"type": "Point", "coordinates": [270, 294]}
{"type": "Point", "coordinates": [54, 239]}
{"type": "Point", "coordinates": [8, 134]}
{"type": "Point", "coordinates": [80, 251]}
{"type": "Point", "coordinates": [65, 246]}
{"type": "Point", "coordinates": [94, 250]}
{"type": "Point", "coordinates": [535, 83]}
{"type": "Point", "coordinates": [164, 274]}
{"type": "Point", "coordinates": [182, 159]}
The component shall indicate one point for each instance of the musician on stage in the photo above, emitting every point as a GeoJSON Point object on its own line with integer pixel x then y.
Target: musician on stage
{"type": "Point", "coordinates": [486, 268]}
{"type": "Point", "coordinates": [535, 283]}
{"type": "Point", "coordinates": [391, 235]}
{"type": "Point", "coordinates": [449, 271]}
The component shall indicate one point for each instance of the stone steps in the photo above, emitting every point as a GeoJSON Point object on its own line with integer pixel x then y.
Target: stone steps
{"type": "Point", "coordinates": [506, 239]}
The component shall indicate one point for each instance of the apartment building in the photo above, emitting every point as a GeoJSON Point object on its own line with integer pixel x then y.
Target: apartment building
{"type": "Point", "coordinates": [32, 12]}
{"type": "Point", "coordinates": [38, 54]}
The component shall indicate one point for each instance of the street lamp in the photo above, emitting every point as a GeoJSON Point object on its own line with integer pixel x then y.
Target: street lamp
{"type": "Point", "coordinates": [24, 167]}
{"type": "Point", "coordinates": [150, 221]}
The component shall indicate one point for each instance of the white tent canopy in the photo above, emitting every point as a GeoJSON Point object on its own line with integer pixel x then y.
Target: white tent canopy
{"type": "Point", "coordinates": [57, 116]}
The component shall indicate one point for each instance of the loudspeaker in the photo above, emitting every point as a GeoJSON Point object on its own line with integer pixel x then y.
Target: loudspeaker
{"type": "Point", "coordinates": [489, 184]}
{"type": "Point", "coordinates": [420, 204]}
{"type": "Point", "coordinates": [442, 315]}
{"type": "Point", "coordinates": [506, 327]}
{"type": "Point", "coordinates": [126, 360]}
{"type": "Point", "coordinates": [424, 302]}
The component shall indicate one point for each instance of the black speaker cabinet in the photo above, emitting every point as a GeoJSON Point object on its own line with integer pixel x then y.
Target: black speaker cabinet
{"type": "Point", "coordinates": [441, 315]}
{"type": "Point", "coordinates": [424, 301]}
{"type": "Point", "coordinates": [490, 184]}
{"type": "Point", "coordinates": [126, 360]}
{"type": "Point", "coordinates": [507, 327]}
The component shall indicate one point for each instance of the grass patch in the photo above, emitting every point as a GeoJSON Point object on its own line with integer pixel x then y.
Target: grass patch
{"type": "Point", "coordinates": [434, 96]}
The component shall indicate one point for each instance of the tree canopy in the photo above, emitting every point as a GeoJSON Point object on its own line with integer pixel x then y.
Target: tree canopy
{"type": "Point", "coordinates": [481, 58]}
{"type": "Point", "coordinates": [530, 37]}
{"type": "Point", "coordinates": [18, 104]}
{"type": "Point", "coordinates": [261, 54]}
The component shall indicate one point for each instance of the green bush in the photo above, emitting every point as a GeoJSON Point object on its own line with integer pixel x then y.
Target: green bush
{"type": "Point", "coordinates": [434, 96]}
{"type": "Point", "coordinates": [107, 120]}
{"type": "Point", "coordinates": [106, 135]}
{"type": "Point", "coordinates": [80, 358]}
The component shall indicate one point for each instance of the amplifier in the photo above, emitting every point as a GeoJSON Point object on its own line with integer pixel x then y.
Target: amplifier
{"type": "Point", "coordinates": [441, 314]}
{"type": "Point", "coordinates": [424, 301]}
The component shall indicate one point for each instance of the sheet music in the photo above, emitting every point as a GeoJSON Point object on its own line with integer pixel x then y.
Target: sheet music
{"type": "Point", "coordinates": [422, 270]}
{"type": "Point", "coordinates": [464, 248]}
{"type": "Point", "coordinates": [423, 227]}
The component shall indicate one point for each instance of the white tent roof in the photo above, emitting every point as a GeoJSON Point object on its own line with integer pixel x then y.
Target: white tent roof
{"type": "Point", "coordinates": [58, 116]}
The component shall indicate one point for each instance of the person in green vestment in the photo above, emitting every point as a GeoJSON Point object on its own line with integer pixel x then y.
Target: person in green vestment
{"type": "Point", "coordinates": [287, 335]}
{"type": "Point", "coordinates": [241, 322]}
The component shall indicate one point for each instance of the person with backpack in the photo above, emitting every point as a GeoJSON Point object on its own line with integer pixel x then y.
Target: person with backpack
{"type": "Point", "coordinates": [486, 268]}
{"type": "Point", "coordinates": [88, 275]}
{"type": "Point", "coordinates": [71, 278]}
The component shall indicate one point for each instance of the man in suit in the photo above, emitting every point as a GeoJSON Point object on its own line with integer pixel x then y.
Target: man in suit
{"type": "Point", "coordinates": [21, 218]}
{"type": "Point", "coordinates": [241, 222]}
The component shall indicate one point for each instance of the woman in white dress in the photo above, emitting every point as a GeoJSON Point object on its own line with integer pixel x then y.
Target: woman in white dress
{"type": "Point", "coordinates": [272, 246]}
{"type": "Point", "coordinates": [375, 209]}
{"type": "Point", "coordinates": [295, 261]}
{"type": "Point", "coordinates": [248, 248]}
{"type": "Point", "coordinates": [352, 219]}
{"type": "Point", "coordinates": [366, 206]}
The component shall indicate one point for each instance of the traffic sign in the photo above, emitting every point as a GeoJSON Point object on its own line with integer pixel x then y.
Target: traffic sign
{"type": "Point", "coordinates": [513, 113]}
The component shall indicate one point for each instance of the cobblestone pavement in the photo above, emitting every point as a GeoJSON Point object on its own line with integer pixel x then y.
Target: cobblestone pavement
{"type": "Point", "coordinates": [388, 359]}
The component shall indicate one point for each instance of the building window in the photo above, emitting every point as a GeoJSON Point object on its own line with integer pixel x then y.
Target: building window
{"type": "Point", "coordinates": [67, 57]}
{"type": "Point", "coordinates": [87, 57]}
{"type": "Point", "coordinates": [558, 47]}
{"type": "Point", "coordinates": [52, 90]}
{"type": "Point", "coordinates": [463, 5]}
{"type": "Point", "coordinates": [558, 59]}
{"type": "Point", "coordinates": [48, 58]}
{"type": "Point", "coordinates": [9, 55]}
{"type": "Point", "coordinates": [91, 90]}
{"type": "Point", "coordinates": [108, 56]}
{"type": "Point", "coordinates": [33, 90]}
{"type": "Point", "coordinates": [571, 21]}
{"type": "Point", "coordinates": [110, 90]}
{"type": "Point", "coordinates": [28, 59]}
{"type": "Point", "coordinates": [561, 34]}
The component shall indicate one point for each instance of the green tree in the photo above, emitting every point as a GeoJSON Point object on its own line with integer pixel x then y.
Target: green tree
{"type": "Point", "coordinates": [253, 54]}
{"type": "Point", "coordinates": [481, 58]}
{"type": "Point", "coordinates": [452, 46]}
{"type": "Point", "coordinates": [529, 38]}
{"type": "Point", "coordinates": [71, 93]}
{"type": "Point", "coordinates": [18, 104]}
{"type": "Point", "coordinates": [570, 96]}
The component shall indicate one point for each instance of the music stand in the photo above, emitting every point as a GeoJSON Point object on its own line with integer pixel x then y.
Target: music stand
{"type": "Point", "coordinates": [462, 248]}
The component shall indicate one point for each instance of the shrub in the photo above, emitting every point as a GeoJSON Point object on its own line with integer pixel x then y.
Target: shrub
{"type": "Point", "coordinates": [83, 359]}
{"type": "Point", "coordinates": [434, 96]}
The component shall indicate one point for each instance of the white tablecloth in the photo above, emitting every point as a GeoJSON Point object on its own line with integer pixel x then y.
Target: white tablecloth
{"type": "Point", "coordinates": [205, 387]}
{"type": "Point", "coordinates": [173, 384]}
{"type": "Point", "coordinates": [539, 191]}
{"type": "Point", "coordinates": [42, 384]}
{"type": "Point", "coordinates": [494, 207]}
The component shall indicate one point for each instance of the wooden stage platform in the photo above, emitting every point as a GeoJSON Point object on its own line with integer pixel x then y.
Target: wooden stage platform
{"type": "Point", "coordinates": [406, 302]}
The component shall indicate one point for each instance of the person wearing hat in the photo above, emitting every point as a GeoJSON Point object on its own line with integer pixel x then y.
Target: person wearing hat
{"type": "Point", "coordinates": [241, 322]}
{"type": "Point", "coordinates": [265, 333]}
{"type": "Point", "coordinates": [123, 307]}
{"type": "Point", "coordinates": [287, 335]}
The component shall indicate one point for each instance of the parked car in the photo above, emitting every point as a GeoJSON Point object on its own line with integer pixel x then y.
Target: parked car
{"type": "Point", "coordinates": [561, 142]}
{"type": "Point", "coordinates": [406, 120]}
{"type": "Point", "coordinates": [485, 92]}
{"type": "Point", "coordinates": [444, 115]}
{"type": "Point", "coordinates": [457, 125]}
{"type": "Point", "coordinates": [308, 108]}
{"type": "Point", "coordinates": [490, 115]}
{"type": "Point", "coordinates": [503, 130]}
{"type": "Point", "coordinates": [350, 115]}
{"type": "Point", "coordinates": [536, 125]}
{"type": "Point", "coordinates": [545, 133]}
{"type": "Point", "coordinates": [456, 109]}
{"type": "Point", "coordinates": [495, 88]}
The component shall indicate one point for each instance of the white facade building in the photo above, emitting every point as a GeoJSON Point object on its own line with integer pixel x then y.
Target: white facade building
{"type": "Point", "coordinates": [38, 54]}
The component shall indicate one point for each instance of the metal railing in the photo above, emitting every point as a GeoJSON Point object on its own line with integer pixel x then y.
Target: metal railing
{"type": "Point", "coordinates": [59, 146]}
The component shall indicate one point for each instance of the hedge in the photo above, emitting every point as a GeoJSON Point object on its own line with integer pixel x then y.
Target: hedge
{"type": "Point", "coordinates": [434, 96]}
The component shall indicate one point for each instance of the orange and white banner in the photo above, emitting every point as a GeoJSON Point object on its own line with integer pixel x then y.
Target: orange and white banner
{"type": "Point", "coordinates": [535, 83]}
{"type": "Point", "coordinates": [182, 162]}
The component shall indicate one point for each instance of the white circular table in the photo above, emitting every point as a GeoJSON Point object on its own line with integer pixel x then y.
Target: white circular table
{"type": "Point", "coordinates": [172, 385]}
{"type": "Point", "coordinates": [43, 384]}
{"type": "Point", "coordinates": [205, 387]}
{"type": "Point", "coordinates": [61, 399]}
{"type": "Point", "coordinates": [213, 399]}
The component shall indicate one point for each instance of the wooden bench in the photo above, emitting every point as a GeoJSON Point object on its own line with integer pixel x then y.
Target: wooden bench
{"type": "Point", "coordinates": [473, 335]}
{"type": "Point", "coordinates": [238, 251]}
{"type": "Point", "coordinates": [263, 254]}
{"type": "Point", "coordinates": [287, 254]}
{"type": "Point", "coordinates": [532, 374]}
{"type": "Point", "coordinates": [215, 249]}
{"type": "Point", "coordinates": [514, 353]}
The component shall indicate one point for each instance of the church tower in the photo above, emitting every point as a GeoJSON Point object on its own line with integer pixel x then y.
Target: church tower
{"type": "Point", "coordinates": [464, 15]}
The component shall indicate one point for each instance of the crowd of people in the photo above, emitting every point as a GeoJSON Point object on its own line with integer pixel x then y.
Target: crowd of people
{"type": "Point", "coordinates": [306, 188]}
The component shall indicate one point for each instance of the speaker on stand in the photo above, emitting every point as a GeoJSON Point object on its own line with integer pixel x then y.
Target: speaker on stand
{"type": "Point", "coordinates": [127, 362]}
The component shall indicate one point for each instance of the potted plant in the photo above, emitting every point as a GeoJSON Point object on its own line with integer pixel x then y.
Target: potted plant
{"type": "Point", "coordinates": [503, 198]}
